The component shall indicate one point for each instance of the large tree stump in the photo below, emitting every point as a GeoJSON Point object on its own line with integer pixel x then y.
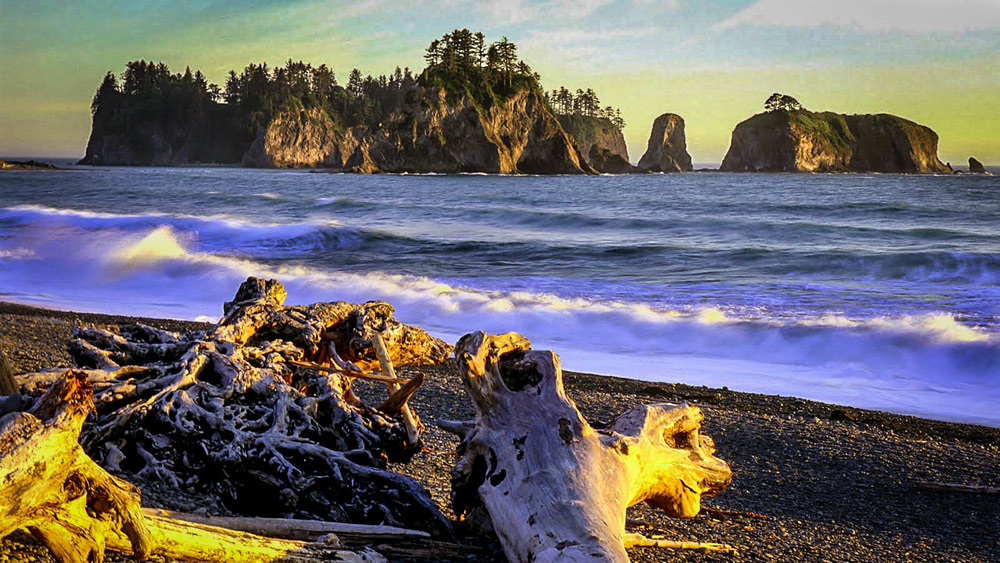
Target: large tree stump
{"type": "Point", "coordinates": [229, 415]}
{"type": "Point", "coordinates": [554, 487]}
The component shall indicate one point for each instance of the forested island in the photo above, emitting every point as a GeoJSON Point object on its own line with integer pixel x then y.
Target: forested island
{"type": "Point", "coordinates": [787, 137]}
{"type": "Point", "coordinates": [475, 107]}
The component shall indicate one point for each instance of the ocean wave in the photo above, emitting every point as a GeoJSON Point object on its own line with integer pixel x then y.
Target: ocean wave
{"type": "Point", "coordinates": [216, 233]}
{"type": "Point", "coordinates": [325, 240]}
{"type": "Point", "coordinates": [163, 271]}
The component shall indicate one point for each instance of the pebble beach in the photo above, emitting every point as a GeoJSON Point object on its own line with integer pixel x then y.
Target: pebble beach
{"type": "Point", "coordinates": [812, 481]}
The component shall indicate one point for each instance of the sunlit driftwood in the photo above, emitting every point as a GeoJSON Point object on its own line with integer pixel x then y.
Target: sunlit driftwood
{"type": "Point", "coordinates": [553, 486]}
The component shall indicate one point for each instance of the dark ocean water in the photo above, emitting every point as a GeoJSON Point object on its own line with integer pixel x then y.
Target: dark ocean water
{"type": "Point", "coordinates": [872, 290]}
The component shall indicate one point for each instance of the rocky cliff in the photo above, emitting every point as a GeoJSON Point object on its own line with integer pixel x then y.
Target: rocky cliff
{"type": "Point", "coordinates": [666, 150]}
{"type": "Point", "coordinates": [600, 142]}
{"type": "Point", "coordinates": [205, 136]}
{"type": "Point", "coordinates": [292, 139]}
{"type": "Point", "coordinates": [303, 139]}
{"type": "Point", "coordinates": [430, 133]}
{"type": "Point", "coordinates": [804, 141]}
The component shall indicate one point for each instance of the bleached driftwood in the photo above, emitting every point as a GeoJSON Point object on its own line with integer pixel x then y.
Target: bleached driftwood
{"type": "Point", "coordinates": [398, 401]}
{"type": "Point", "coordinates": [294, 529]}
{"type": "Point", "coordinates": [554, 487]}
{"type": "Point", "coordinates": [957, 488]}
{"type": "Point", "coordinates": [228, 414]}
{"type": "Point", "coordinates": [51, 488]}
{"type": "Point", "coordinates": [388, 541]}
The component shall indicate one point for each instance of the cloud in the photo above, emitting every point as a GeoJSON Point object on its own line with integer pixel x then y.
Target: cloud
{"type": "Point", "coordinates": [569, 36]}
{"type": "Point", "coordinates": [871, 15]}
{"type": "Point", "coordinates": [361, 8]}
{"type": "Point", "coordinates": [517, 11]}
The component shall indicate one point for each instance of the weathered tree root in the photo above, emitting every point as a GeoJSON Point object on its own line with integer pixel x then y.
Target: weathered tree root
{"type": "Point", "coordinates": [228, 415]}
{"type": "Point", "coordinates": [554, 487]}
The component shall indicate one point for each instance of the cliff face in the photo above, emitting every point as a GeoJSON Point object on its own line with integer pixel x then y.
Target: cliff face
{"type": "Point", "coordinates": [428, 133]}
{"type": "Point", "coordinates": [600, 142]}
{"type": "Point", "coordinates": [666, 150]}
{"type": "Point", "coordinates": [291, 140]}
{"type": "Point", "coordinates": [804, 141]}
{"type": "Point", "coordinates": [303, 139]}
{"type": "Point", "coordinates": [204, 137]}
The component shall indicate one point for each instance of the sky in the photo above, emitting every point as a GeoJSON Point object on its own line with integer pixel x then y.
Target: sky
{"type": "Point", "coordinates": [935, 62]}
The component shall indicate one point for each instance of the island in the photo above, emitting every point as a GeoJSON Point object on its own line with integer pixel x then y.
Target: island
{"type": "Point", "coordinates": [789, 138]}
{"type": "Point", "coordinates": [476, 107]}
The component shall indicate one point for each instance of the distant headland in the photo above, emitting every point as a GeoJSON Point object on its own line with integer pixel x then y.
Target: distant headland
{"type": "Point", "coordinates": [476, 107]}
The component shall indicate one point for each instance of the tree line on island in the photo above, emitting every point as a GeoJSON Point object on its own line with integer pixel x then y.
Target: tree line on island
{"type": "Point", "coordinates": [460, 62]}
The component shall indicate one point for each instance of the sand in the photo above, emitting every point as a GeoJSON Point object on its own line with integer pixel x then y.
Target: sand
{"type": "Point", "coordinates": [832, 483]}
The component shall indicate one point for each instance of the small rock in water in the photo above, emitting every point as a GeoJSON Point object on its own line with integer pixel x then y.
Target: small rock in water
{"type": "Point", "coordinates": [976, 167]}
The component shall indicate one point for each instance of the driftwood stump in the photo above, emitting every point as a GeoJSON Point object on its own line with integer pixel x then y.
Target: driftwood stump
{"type": "Point", "coordinates": [554, 487]}
{"type": "Point", "coordinates": [229, 415]}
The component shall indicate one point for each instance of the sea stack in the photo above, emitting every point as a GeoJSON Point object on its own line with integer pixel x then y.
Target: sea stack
{"type": "Point", "coordinates": [666, 150]}
{"type": "Point", "coordinates": [799, 140]}
{"type": "Point", "coordinates": [976, 167]}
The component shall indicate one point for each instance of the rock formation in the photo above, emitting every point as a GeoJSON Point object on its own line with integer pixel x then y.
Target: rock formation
{"type": "Point", "coordinates": [429, 132]}
{"type": "Point", "coordinates": [976, 167]}
{"type": "Point", "coordinates": [432, 133]}
{"type": "Point", "coordinates": [304, 139]}
{"type": "Point", "coordinates": [607, 162]}
{"type": "Point", "coordinates": [601, 143]}
{"type": "Point", "coordinates": [25, 165]}
{"type": "Point", "coordinates": [805, 141]}
{"type": "Point", "coordinates": [667, 147]}
{"type": "Point", "coordinates": [204, 137]}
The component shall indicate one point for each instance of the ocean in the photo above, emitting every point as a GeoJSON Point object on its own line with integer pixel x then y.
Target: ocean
{"type": "Point", "coordinates": [876, 291]}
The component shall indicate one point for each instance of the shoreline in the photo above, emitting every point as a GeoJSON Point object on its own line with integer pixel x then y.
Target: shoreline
{"type": "Point", "coordinates": [832, 482]}
{"type": "Point", "coordinates": [721, 396]}
{"type": "Point", "coordinates": [990, 171]}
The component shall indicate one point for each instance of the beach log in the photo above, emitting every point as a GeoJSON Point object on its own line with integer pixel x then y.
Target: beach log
{"type": "Point", "coordinates": [252, 414]}
{"type": "Point", "coordinates": [296, 529]}
{"type": "Point", "coordinates": [553, 486]}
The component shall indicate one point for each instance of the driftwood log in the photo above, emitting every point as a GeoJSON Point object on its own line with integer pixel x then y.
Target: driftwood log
{"type": "Point", "coordinates": [231, 416]}
{"type": "Point", "coordinates": [553, 486]}
{"type": "Point", "coordinates": [51, 488]}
